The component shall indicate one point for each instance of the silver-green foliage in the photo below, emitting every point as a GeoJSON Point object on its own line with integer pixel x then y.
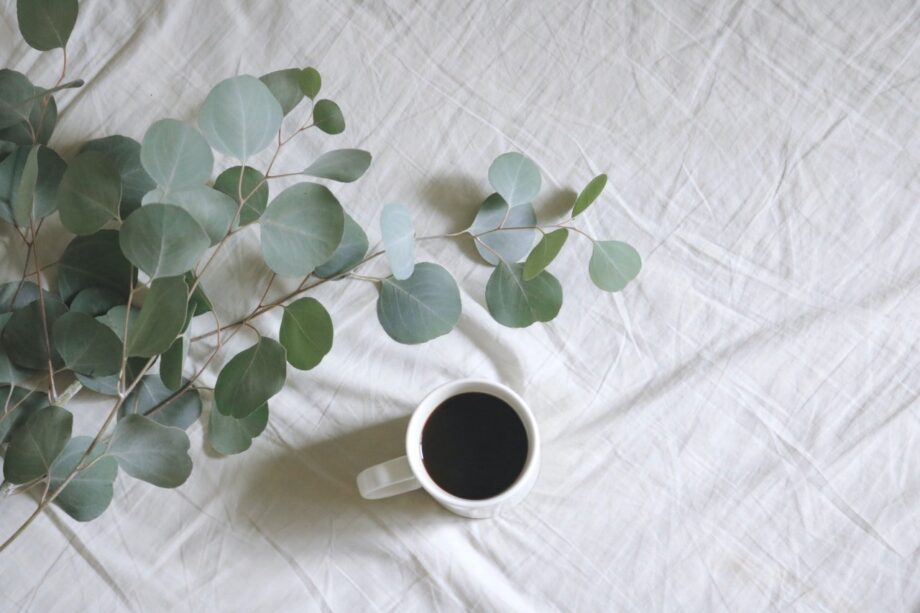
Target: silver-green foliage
{"type": "Point", "coordinates": [122, 307]}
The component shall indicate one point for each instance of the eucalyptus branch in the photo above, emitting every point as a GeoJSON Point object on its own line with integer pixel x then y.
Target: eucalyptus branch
{"type": "Point", "coordinates": [52, 393]}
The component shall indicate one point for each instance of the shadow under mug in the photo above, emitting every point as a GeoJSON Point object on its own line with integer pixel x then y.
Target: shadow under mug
{"type": "Point", "coordinates": [408, 473]}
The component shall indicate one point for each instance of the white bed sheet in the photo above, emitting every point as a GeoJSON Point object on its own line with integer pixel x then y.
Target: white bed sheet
{"type": "Point", "coordinates": [737, 431]}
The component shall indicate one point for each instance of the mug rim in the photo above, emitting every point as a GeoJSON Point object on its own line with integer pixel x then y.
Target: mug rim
{"type": "Point", "coordinates": [432, 401]}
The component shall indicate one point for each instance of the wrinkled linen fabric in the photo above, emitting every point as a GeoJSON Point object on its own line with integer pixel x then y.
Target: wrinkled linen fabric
{"type": "Point", "coordinates": [736, 431]}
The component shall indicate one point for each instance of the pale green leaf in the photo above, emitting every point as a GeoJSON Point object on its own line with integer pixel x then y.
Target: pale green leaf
{"type": "Point", "coordinates": [25, 195]}
{"type": "Point", "coordinates": [344, 165]}
{"type": "Point", "coordinates": [125, 154]}
{"type": "Point", "coordinates": [613, 264]}
{"type": "Point", "coordinates": [89, 493]}
{"type": "Point", "coordinates": [253, 187]}
{"type": "Point", "coordinates": [86, 345]}
{"type": "Point", "coordinates": [240, 117]}
{"type": "Point", "coordinates": [348, 254]}
{"type": "Point", "coordinates": [165, 406]}
{"type": "Point", "coordinates": [420, 308]}
{"type": "Point", "coordinates": [398, 239]}
{"type": "Point", "coordinates": [544, 253]}
{"type": "Point", "coordinates": [509, 245]}
{"type": "Point", "coordinates": [150, 451]}
{"type": "Point", "coordinates": [229, 435]}
{"type": "Point", "coordinates": [163, 240]}
{"type": "Point", "coordinates": [285, 87]}
{"type": "Point", "coordinates": [212, 209]}
{"type": "Point", "coordinates": [161, 318]}
{"type": "Point", "coordinates": [301, 229]}
{"type": "Point", "coordinates": [176, 156]}
{"type": "Point", "coordinates": [515, 177]}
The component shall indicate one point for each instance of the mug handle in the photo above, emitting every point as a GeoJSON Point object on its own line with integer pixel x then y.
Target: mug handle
{"type": "Point", "coordinates": [387, 479]}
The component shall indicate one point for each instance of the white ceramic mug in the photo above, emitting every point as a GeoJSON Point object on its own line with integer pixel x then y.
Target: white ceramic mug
{"type": "Point", "coordinates": [408, 473]}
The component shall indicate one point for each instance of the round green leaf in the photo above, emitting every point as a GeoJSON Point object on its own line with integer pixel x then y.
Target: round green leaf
{"type": "Point", "coordinates": [212, 209]}
{"type": "Point", "coordinates": [95, 301]}
{"type": "Point", "coordinates": [22, 403]}
{"type": "Point", "coordinates": [175, 155]}
{"type": "Point", "coordinates": [89, 493]}
{"type": "Point", "coordinates": [250, 378]}
{"type": "Point", "coordinates": [589, 194]}
{"type": "Point", "coordinates": [46, 24]}
{"type": "Point", "coordinates": [90, 193]}
{"type": "Point", "coordinates": [161, 319]}
{"type": "Point", "coordinates": [306, 333]}
{"type": "Point", "coordinates": [42, 121]}
{"type": "Point", "coordinates": [515, 177]}
{"type": "Point", "coordinates": [327, 116]}
{"type": "Point", "coordinates": [94, 261]}
{"type": "Point", "coordinates": [108, 385]}
{"type": "Point", "coordinates": [420, 308]}
{"type": "Point", "coordinates": [36, 443]}
{"type": "Point", "coordinates": [180, 410]}
{"type": "Point", "coordinates": [125, 154]}
{"type": "Point", "coordinates": [150, 451]}
{"type": "Point", "coordinates": [285, 87]}
{"type": "Point", "coordinates": [310, 82]}
{"type": "Point", "coordinates": [344, 165]}
{"type": "Point", "coordinates": [17, 98]}
{"type": "Point", "coordinates": [509, 245]}
{"type": "Point", "coordinates": [254, 190]}
{"type": "Point", "coordinates": [115, 319]}
{"type": "Point", "coordinates": [301, 229]}
{"type": "Point", "coordinates": [613, 264]}
{"type": "Point", "coordinates": [17, 294]}
{"type": "Point", "coordinates": [517, 303]}
{"type": "Point", "coordinates": [229, 435]}
{"type": "Point", "coordinates": [86, 346]}
{"type": "Point", "coordinates": [24, 334]}
{"type": "Point", "coordinates": [9, 372]}
{"type": "Point", "coordinates": [348, 254]}
{"type": "Point", "coordinates": [163, 240]}
{"type": "Point", "coordinates": [240, 117]}
{"type": "Point", "coordinates": [398, 239]}
{"type": "Point", "coordinates": [544, 253]}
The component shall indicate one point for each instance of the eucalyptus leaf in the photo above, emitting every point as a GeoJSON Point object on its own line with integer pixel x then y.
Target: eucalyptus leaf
{"type": "Point", "coordinates": [306, 333]}
{"type": "Point", "coordinates": [17, 96]}
{"type": "Point", "coordinates": [254, 190]}
{"type": "Point", "coordinates": [613, 264]}
{"type": "Point", "coordinates": [212, 209]}
{"type": "Point", "coordinates": [327, 116]}
{"type": "Point", "coordinates": [50, 171]}
{"type": "Point", "coordinates": [515, 177]}
{"type": "Point", "coordinates": [86, 346]}
{"type": "Point", "coordinates": [398, 239]}
{"type": "Point", "coordinates": [17, 294]}
{"type": "Point", "coordinates": [24, 338]}
{"type": "Point", "coordinates": [46, 24]}
{"type": "Point", "coordinates": [25, 195]}
{"type": "Point", "coordinates": [344, 165]}
{"type": "Point", "coordinates": [95, 301]}
{"type": "Point", "coordinates": [90, 193]}
{"type": "Point", "coordinates": [163, 240]}
{"type": "Point", "coordinates": [198, 300]}
{"type": "Point", "coordinates": [21, 404]}
{"type": "Point", "coordinates": [240, 117]}
{"type": "Point", "coordinates": [89, 493]}
{"type": "Point", "coordinates": [36, 443]}
{"type": "Point", "coordinates": [125, 154]}
{"type": "Point", "coordinates": [161, 319]}
{"type": "Point", "coordinates": [285, 87]}
{"type": "Point", "coordinates": [40, 125]}
{"type": "Point", "coordinates": [173, 358]}
{"type": "Point", "coordinates": [310, 82]}
{"type": "Point", "coordinates": [9, 372]}
{"type": "Point", "coordinates": [229, 435]}
{"type": "Point", "coordinates": [420, 308]}
{"type": "Point", "coordinates": [180, 409]}
{"type": "Point", "coordinates": [150, 451]}
{"type": "Point", "coordinates": [509, 245]}
{"type": "Point", "coordinates": [250, 378]}
{"type": "Point", "coordinates": [176, 156]}
{"type": "Point", "coordinates": [517, 303]}
{"type": "Point", "coordinates": [589, 194]}
{"type": "Point", "coordinates": [94, 261]}
{"type": "Point", "coordinates": [348, 254]}
{"type": "Point", "coordinates": [108, 385]}
{"type": "Point", "coordinates": [544, 253]}
{"type": "Point", "coordinates": [301, 229]}
{"type": "Point", "coordinates": [115, 318]}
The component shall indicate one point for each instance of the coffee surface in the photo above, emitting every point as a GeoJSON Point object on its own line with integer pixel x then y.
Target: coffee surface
{"type": "Point", "coordinates": [474, 445]}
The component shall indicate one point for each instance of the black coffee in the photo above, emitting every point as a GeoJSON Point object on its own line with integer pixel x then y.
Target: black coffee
{"type": "Point", "coordinates": [474, 445]}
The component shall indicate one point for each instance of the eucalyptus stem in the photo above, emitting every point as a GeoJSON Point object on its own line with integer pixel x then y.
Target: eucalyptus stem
{"type": "Point", "coordinates": [52, 393]}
